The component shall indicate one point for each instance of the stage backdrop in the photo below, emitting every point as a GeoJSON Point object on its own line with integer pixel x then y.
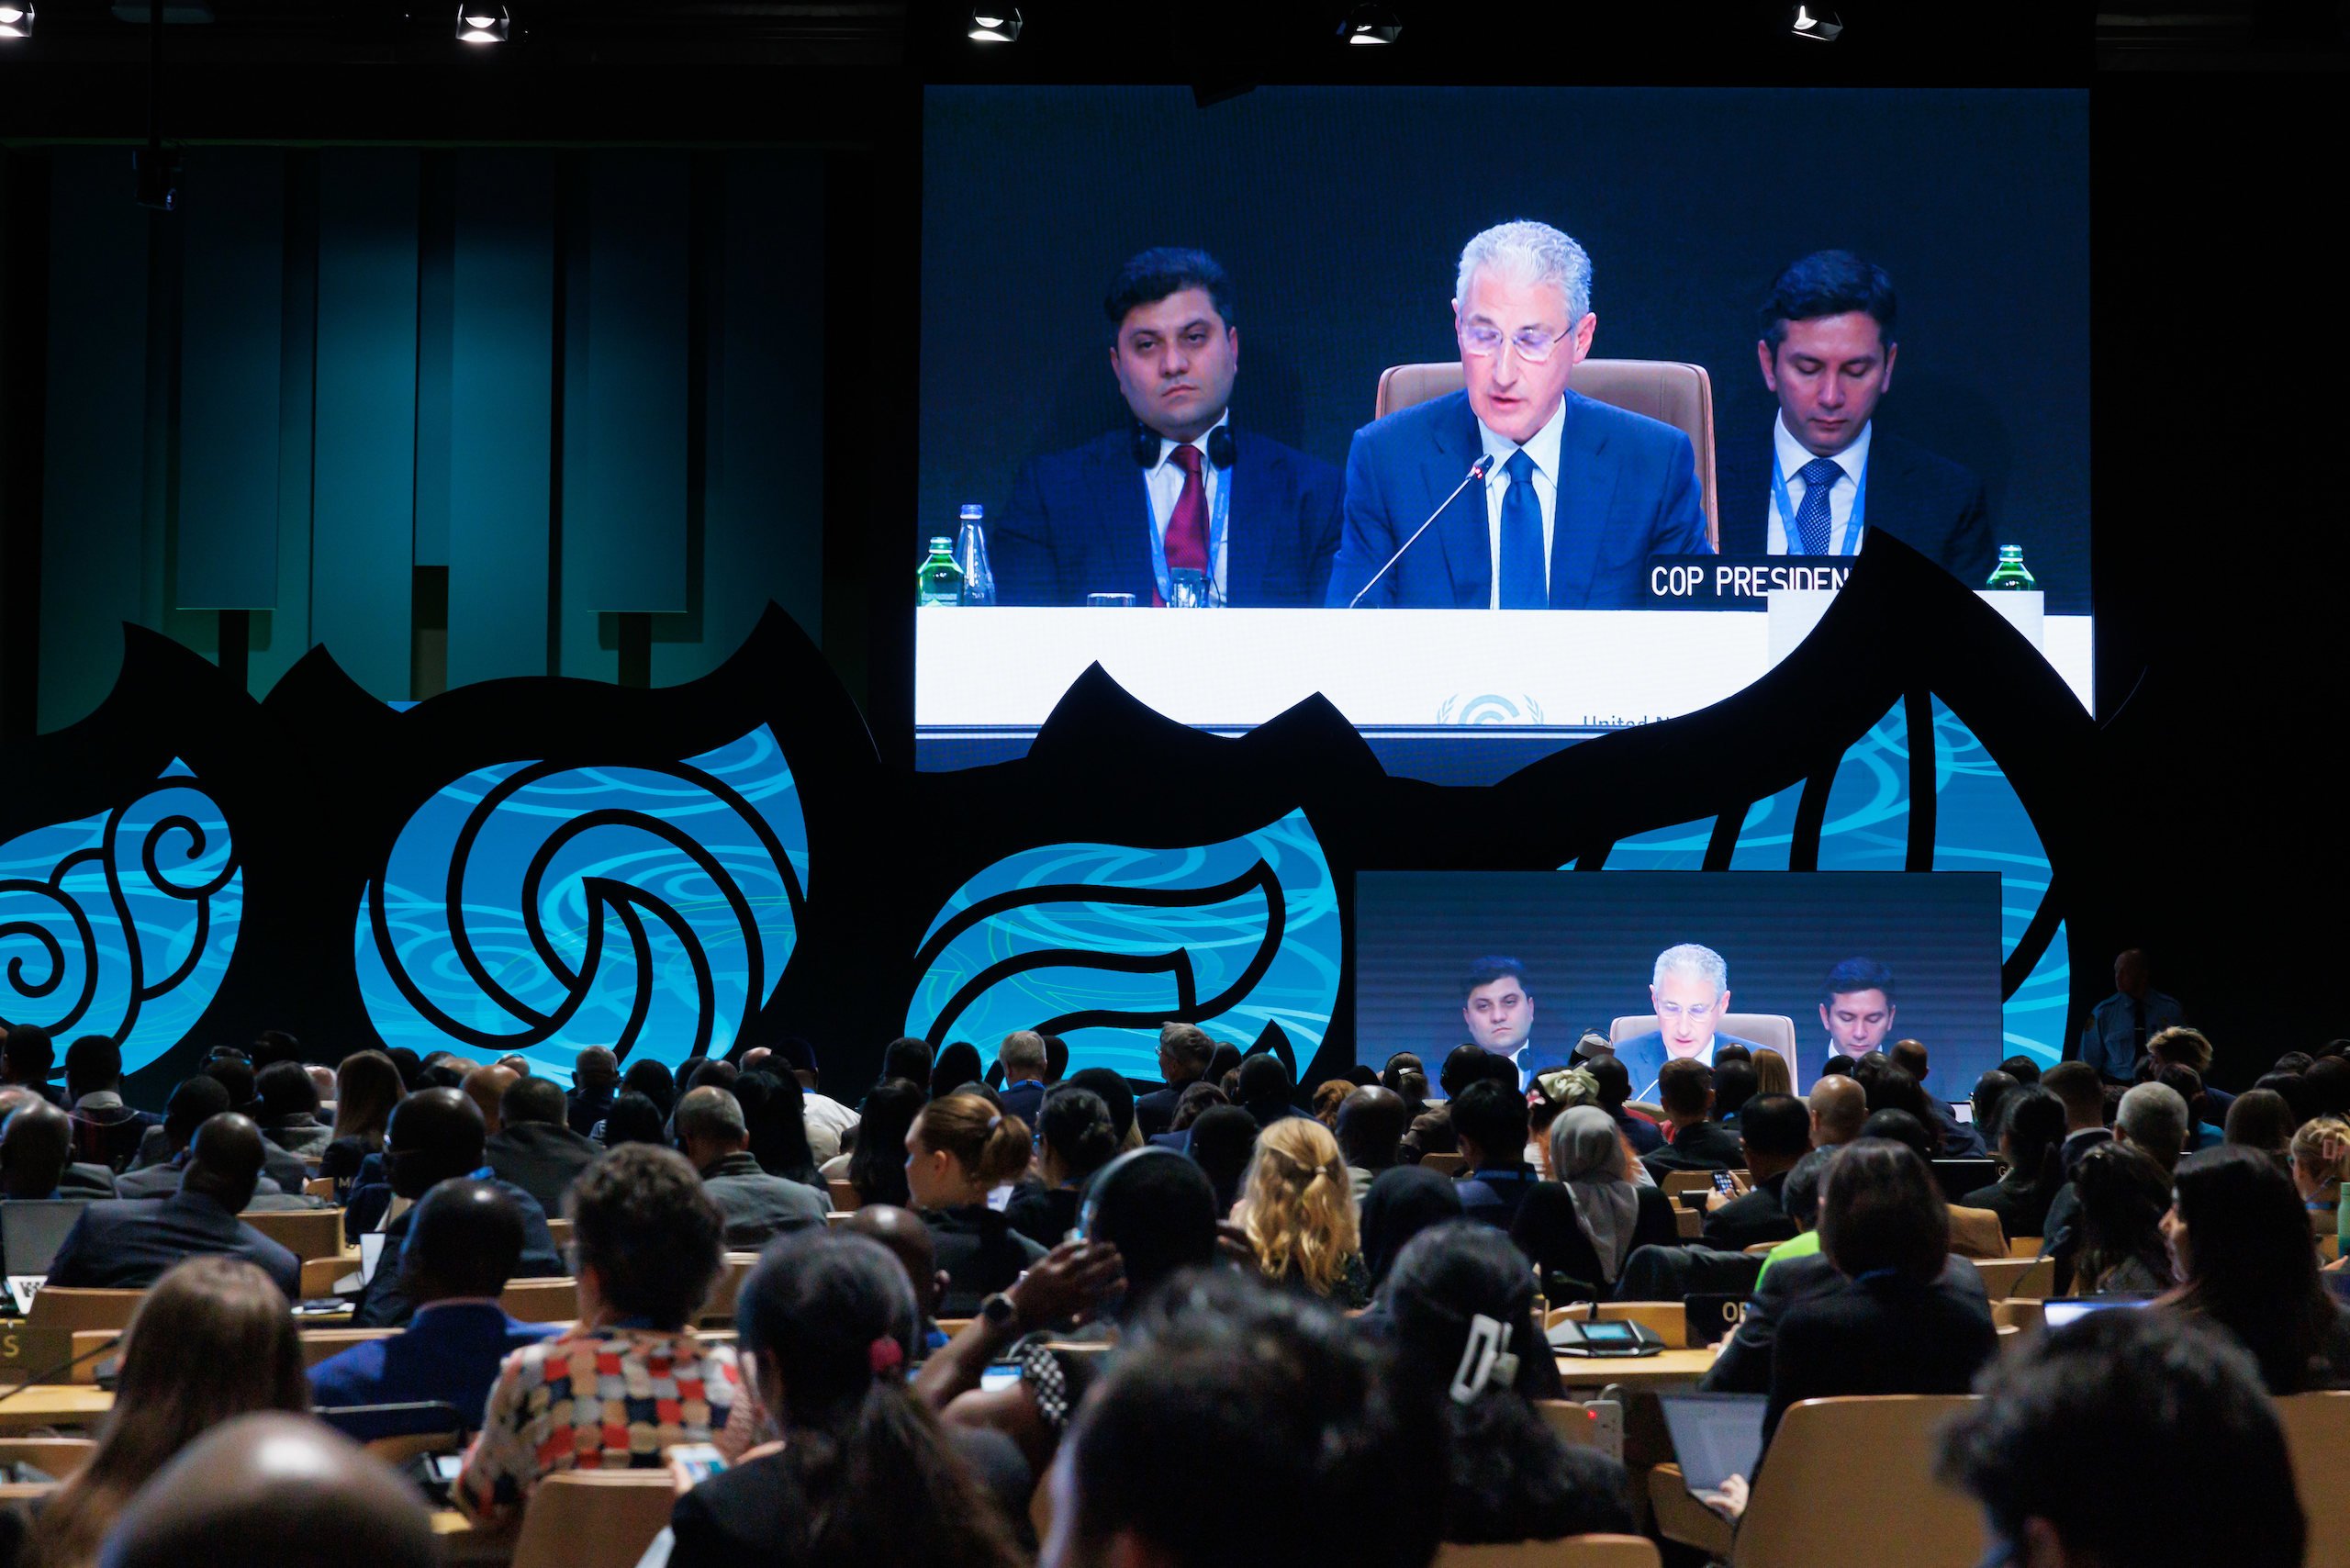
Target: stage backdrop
{"type": "Point", "coordinates": [1589, 944]}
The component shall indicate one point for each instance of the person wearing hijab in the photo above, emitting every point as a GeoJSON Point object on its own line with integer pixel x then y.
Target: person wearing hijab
{"type": "Point", "coordinates": [1581, 1226]}
{"type": "Point", "coordinates": [1402, 1202]}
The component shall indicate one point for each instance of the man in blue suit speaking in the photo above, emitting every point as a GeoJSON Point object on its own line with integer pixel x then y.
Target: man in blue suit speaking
{"type": "Point", "coordinates": [1689, 989]}
{"type": "Point", "coordinates": [1178, 490]}
{"type": "Point", "coordinates": [1575, 494]}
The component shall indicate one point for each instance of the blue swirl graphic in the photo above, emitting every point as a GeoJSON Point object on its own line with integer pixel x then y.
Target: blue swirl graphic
{"type": "Point", "coordinates": [121, 923]}
{"type": "Point", "coordinates": [539, 909]}
{"type": "Point", "coordinates": [1100, 944]}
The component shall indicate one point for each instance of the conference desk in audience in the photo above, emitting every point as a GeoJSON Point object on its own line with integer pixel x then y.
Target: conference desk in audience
{"type": "Point", "coordinates": [1666, 1368]}
{"type": "Point", "coordinates": [29, 1409]}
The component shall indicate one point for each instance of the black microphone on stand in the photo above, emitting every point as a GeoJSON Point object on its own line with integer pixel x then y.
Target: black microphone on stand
{"type": "Point", "coordinates": [1476, 471]}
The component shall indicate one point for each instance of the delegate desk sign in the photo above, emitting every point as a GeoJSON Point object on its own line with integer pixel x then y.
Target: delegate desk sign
{"type": "Point", "coordinates": [1737, 582]}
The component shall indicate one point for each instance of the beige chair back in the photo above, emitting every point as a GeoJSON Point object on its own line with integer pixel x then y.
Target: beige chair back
{"type": "Point", "coordinates": [1675, 1182]}
{"type": "Point", "coordinates": [319, 1274]}
{"type": "Point", "coordinates": [1571, 1419]}
{"type": "Point", "coordinates": [1776, 1030]}
{"type": "Point", "coordinates": [320, 1187]}
{"type": "Point", "coordinates": [2022, 1315]}
{"type": "Point", "coordinates": [720, 1307]}
{"type": "Point", "coordinates": [2031, 1278]}
{"type": "Point", "coordinates": [846, 1197]}
{"type": "Point", "coordinates": [56, 1306]}
{"type": "Point", "coordinates": [541, 1301]}
{"type": "Point", "coordinates": [1443, 1164]}
{"type": "Point", "coordinates": [1569, 1552]}
{"type": "Point", "coordinates": [2317, 1434]}
{"type": "Point", "coordinates": [1678, 395]}
{"type": "Point", "coordinates": [60, 1457]}
{"type": "Point", "coordinates": [594, 1518]}
{"type": "Point", "coordinates": [306, 1232]}
{"type": "Point", "coordinates": [560, 1229]}
{"type": "Point", "coordinates": [1812, 1456]}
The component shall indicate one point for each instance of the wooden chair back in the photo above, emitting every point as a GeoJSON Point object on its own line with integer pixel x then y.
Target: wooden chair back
{"type": "Point", "coordinates": [319, 1275]}
{"type": "Point", "coordinates": [60, 1306]}
{"type": "Point", "coordinates": [1572, 1421]}
{"type": "Point", "coordinates": [846, 1197]}
{"type": "Point", "coordinates": [1443, 1164]}
{"type": "Point", "coordinates": [543, 1301]}
{"type": "Point", "coordinates": [1676, 1182]}
{"type": "Point", "coordinates": [1812, 1456]}
{"type": "Point", "coordinates": [561, 1230]}
{"type": "Point", "coordinates": [306, 1232]}
{"type": "Point", "coordinates": [2024, 1246]}
{"type": "Point", "coordinates": [594, 1518]}
{"type": "Point", "coordinates": [60, 1457]}
{"type": "Point", "coordinates": [320, 1187]}
{"type": "Point", "coordinates": [1569, 1552]}
{"type": "Point", "coordinates": [720, 1306]}
{"type": "Point", "coordinates": [2317, 1434]}
{"type": "Point", "coordinates": [2031, 1278]}
{"type": "Point", "coordinates": [2020, 1315]}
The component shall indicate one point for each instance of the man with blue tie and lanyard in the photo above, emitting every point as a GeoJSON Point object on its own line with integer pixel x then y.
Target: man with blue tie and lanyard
{"type": "Point", "coordinates": [1827, 353]}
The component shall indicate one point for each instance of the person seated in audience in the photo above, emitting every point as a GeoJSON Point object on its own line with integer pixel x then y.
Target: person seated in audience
{"type": "Point", "coordinates": [2261, 1119]}
{"type": "Point", "coordinates": [1297, 1209]}
{"type": "Point", "coordinates": [78, 1180]}
{"type": "Point", "coordinates": [1988, 1100]}
{"type": "Point", "coordinates": [196, 1102]}
{"type": "Point", "coordinates": [1772, 1073]}
{"type": "Point", "coordinates": [1489, 1121]}
{"type": "Point", "coordinates": [1580, 1227]}
{"type": "Point", "coordinates": [631, 1378]}
{"type": "Point", "coordinates": [288, 1170]}
{"type": "Point", "coordinates": [876, 1165]}
{"type": "Point", "coordinates": [1370, 1124]}
{"type": "Point", "coordinates": [2153, 1119]}
{"type": "Point", "coordinates": [594, 1084]}
{"type": "Point", "coordinates": [2320, 1148]}
{"type": "Point", "coordinates": [2020, 1067]}
{"type": "Point", "coordinates": [2202, 1131]}
{"type": "Point", "coordinates": [1117, 1096]}
{"type": "Point", "coordinates": [2288, 1087]}
{"type": "Point", "coordinates": [212, 1340]}
{"type": "Point", "coordinates": [367, 1085]}
{"type": "Point", "coordinates": [435, 1136]}
{"type": "Point", "coordinates": [28, 1056]}
{"type": "Point", "coordinates": [1695, 1141]}
{"type": "Point", "coordinates": [1224, 1142]}
{"type": "Point", "coordinates": [1184, 1050]}
{"type": "Point", "coordinates": [2327, 1083]}
{"type": "Point", "coordinates": [2240, 1245]}
{"type": "Point", "coordinates": [1265, 1088]}
{"type": "Point", "coordinates": [1838, 1105]}
{"type": "Point", "coordinates": [106, 1131]}
{"type": "Point", "coordinates": [464, 1238]}
{"type": "Point", "coordinates": [2032, 1451]}
{"type": "Point", "coordinates": [1974, 1233]}
{"type": "Point", "coordinates": [775, 1114]}
{"type": "Point", "coordinates": [757, 1207]}
{"type": "Point", "coordinates": [902, 1232]}
{"type": "Point", "coordinates": [960, 1149]}
{"type": "Point", "coordinates": [2191, 1048]}
{"type": "Point", "coordinates": [129, 1245]}
{"type": "Point", "coordinates": [2031, 1141]}
{"type": "Point", "coordinates": [1272, 1409]}
{"type": "Point", "coordinates": [1196, 1098]}
{"type": "Point", "coordinates": [535, 1149]}
{"type": "Point", "coordinates": [1022, 1056]}
{"type": "Point", "coordinates": [277, 1488]}
{"type": "Point", "coordinates": [287, 1109]}
{"type": "Point", "coordinates": [486, 1087]}
{"type": "Point", "coordinates": [1458, 1311]}
{"type": "Point", "coordinates": [828, 1331]}
{"type": "Point", "coordinates": [908, 1058]}
{"type": "Point", "coordinates": [1734, 1084]}
{"type": "Point", "coordinates": [1774, 1132]}
{"type": "Point", "coordinates": [1954, 1139]}
{"type": "Point", "coordinates": [1402, 1202]}
{"type": "Point", "coordinates": [2077, 1084]}
{"type": "Point", "coordinates": [2121, 1195]}
{"type": "Point", "coordinates": [1328, 1095]}
{"type": "Point", "coordinates": [36, 1144]}
{"type": "Point", "coordinates": [1075, 1137]}
{"type": "Point", "coordinates": [955, 1068]}
{"type": "Point", "coordinates": [824, 1119]}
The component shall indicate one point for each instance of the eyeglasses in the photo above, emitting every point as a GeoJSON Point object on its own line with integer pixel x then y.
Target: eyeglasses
{"type": "Point", "coordinates": [1533, 344]}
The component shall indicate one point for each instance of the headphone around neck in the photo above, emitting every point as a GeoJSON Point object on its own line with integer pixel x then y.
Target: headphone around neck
{"type": "Point", "coordinates": [1146, 439]}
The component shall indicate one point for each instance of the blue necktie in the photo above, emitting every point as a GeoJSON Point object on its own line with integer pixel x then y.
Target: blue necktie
{"type": "Point", "coordinates": [1819, 476]}
{"type": "Point", "coordinates": [1525, 582]}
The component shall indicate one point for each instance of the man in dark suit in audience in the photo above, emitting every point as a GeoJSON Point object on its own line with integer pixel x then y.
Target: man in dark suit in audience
{"type": "Point", "coordinates": [129, 1245]}
{"type": "Point", "coordinates": [758, 1206]}
{"type": "Point", "coordinates": [464, 1242]}
{"type": "Point", "coordinates": [105, 1130]}
{"type": "Point", "coordinates": [532, 1148]}
{"type": "Point", "coordinates": [196, 1102]}
{"type": "Point", "coordinates": [1489, 1120]}
{"type": "Point", "coordinates": [2083, 1093]}
{"type": "Point", "coordinates": [1178, 489]}
{"type": "Point", "coordinates": [1827, 476]}
{"type": "Point", "coordinates": [594, 1084]}
{"type": "Point", "coordinates": [1685, 1092]}
{"type": "Point", "coordinates": [1774, 1131]}
{"type": "Point", "coordinates": [1954, 1139]}
{"type": "Point", "coordinates": [1022, 1056]}
{"type": "Point", "coordinates": [28, 1056]}
{"type": "Point", "coordinates": [1184, 1051]}
{"type": "Point", "coordinates": [435, 1135]}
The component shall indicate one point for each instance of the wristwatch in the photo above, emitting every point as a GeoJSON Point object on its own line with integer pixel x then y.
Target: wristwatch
{"type": "Point", "coordinates": [1000, 1311]}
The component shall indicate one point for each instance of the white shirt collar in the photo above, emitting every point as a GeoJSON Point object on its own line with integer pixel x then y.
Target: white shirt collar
{"type": "Point", "coordinates": [1793, 454]}
{"type": "Point", "coordinates": [1167, 445]}
{"type": "Point", "coordinates": [98, 1100]}
{"type": "Point", "coordinates": [1542, 446]}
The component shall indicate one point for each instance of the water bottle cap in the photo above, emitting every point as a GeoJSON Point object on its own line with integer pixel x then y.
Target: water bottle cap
{"type": "Point", "coordinates": [940, 541]}
{"type": "Point", "coordinates": [973, 512]}
{"type": "Point", "coordinates": [2010, 551]}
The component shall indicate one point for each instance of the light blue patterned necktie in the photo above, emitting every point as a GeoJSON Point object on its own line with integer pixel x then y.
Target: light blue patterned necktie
{"type": "Point", "coordinates": [1819, 476]}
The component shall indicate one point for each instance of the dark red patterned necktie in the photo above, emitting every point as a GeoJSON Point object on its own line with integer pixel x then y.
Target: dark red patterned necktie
{"type": "Point", "coordinates": [1187, 525]}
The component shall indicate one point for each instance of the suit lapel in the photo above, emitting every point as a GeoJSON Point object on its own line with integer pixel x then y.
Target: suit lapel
{"type": "Point", "coordinates": [1586, 487]}
{"type": "Point", "coordinates": [1468, 553]}
{"type": "Point", "coordinates": [1123, 564]}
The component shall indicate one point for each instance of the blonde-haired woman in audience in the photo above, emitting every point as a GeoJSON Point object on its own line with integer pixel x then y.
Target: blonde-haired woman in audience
{"type": "Point", "coordinates": [1297, 1208]}
{"type": "Point", "coordinates": [1772, 1075]}
{"type": "Point", "coordinates": [212, 1340]}
{"type": "Point", "coordinates": [2320, 1149]}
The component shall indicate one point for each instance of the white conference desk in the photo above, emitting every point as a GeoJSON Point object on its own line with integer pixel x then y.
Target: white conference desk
{"type": "Point", "coordinates": [996, 671]}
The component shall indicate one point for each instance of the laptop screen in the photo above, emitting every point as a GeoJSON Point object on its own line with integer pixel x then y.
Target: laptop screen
{"type": "Point", "coordinates": [370, 1252]}
{"type": "Point", "coordinates": [31, 1228]}
{"type": "Point", "coordinates": [1715, 1436]}
{"type": "Point", "coordinates": [2057, 1314]}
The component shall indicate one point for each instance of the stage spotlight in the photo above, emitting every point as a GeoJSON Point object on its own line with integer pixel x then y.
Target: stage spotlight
{"type": "Point", "coordinates": [1370, 23]}
{"type": "Point", "coordinates": [993, 23]}
{"type": "Point", "coordinates": [16, 21]}
{"type": "Point", "coordinates": [1817, 23]}
{"type": "Point", "coordinates": [478, 23]}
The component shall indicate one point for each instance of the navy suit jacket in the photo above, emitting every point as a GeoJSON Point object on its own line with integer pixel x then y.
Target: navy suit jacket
{"type": "Point", "coordinates": [384, 1302]}
{"type": "Point", "coordinates": [448, 1353]}
{"type": "Point", "coordinates": [1930, 503]}
{"type": "Point", "coordinates": [1643, 1057]}
{"type": "Point", "coordinates": [1080, 522]}
{"type": "Point", "coordinates": [129, 1244]}
{"type": "Point", "coordinates": [1627, 490]}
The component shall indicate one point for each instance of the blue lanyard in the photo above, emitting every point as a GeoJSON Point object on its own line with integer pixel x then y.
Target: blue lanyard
{"type": "Point", "coordinates": [1787, 512]}
{"type": "Point", "coordinates": [1219, 514]}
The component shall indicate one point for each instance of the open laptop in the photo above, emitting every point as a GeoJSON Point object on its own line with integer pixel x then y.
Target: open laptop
{"type": "Point", "coordinates": [1715, 1436]}
{"type": "Point", "coordinates": [31, 1229]}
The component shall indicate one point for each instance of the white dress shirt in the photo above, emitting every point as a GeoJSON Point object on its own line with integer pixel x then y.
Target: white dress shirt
{"type": "Point", "coordinates": [1853, 460]}
{"type": "Point", "coordinates": [1164, 480]}
{"type": "Point", "coordinates": [1542, 447]}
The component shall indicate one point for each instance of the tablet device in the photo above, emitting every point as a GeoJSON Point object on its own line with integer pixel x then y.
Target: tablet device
{"type": "Point", "coordinates": [1715, 1436]}
{"type": "Point", "coordinates": [370, 1252]}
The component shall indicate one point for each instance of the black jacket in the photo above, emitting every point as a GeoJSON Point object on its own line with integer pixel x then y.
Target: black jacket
{"type": "Point", "coordinates": [1155, 1112]}
{"type": "Point", "coordinates": [1879, 1336]}
{"type": "Point", "coordinates": [1701, 1146]}
{"type": "Point", "coordinates": [385, 1302]}
{"type": "Point", "coordinates": [1755, 1217]}
{"type": "Point", "coordinates": [980, 1253]}
{"type": "Point", "coordinates": [1546, 1231]}
{"type": "Point", "coordinates": [2021, 1208]}
{"type": "Point", "coordinates": [1743, 1365]}
{"type": "Point", "coordinates": [1930, 503]}
{"type": "Point", "coordinates": [541, 1157]}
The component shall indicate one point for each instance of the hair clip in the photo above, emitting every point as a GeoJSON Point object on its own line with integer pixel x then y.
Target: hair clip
{"type": "Point", "coordinates": [1483, 1359]}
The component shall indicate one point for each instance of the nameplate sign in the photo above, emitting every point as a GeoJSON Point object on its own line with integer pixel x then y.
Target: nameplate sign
{"type": "Point", "coordinates": [1738, 582]}
{"type": "Point", "coordinates": [1710, 1315]}
{"type": "Point", "coordinates": [29, 1353]}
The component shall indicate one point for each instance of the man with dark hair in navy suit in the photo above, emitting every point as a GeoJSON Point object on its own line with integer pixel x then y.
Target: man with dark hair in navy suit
{"type": "Point", "coordinates": [1829, 476]}
{"type": "Point", "coordinates": [1180, 490]}
{"type": "Point", "coordinates": [1575, 494]}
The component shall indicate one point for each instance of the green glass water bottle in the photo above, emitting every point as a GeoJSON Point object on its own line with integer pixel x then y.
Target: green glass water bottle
{"type": "Point", "coordinates": [2010, 572]}
{"type": "Point", "coordinates": [938, 581]}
